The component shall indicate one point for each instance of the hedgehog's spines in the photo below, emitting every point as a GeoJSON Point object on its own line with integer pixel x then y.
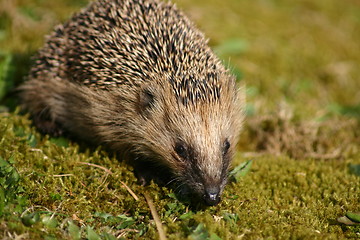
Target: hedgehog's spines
{"type": "Point", "coordinates": [103, 42]}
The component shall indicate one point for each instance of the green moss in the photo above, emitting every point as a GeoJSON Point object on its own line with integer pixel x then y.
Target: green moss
{"type": "Point", "coordinates": [278, 197]}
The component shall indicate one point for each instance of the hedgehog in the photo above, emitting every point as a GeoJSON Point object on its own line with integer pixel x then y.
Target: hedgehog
{"type": "Point", "coordinates": [137, 77]}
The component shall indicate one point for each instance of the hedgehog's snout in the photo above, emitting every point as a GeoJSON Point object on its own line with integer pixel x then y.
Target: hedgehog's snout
{"type": "Point", "coordinates": [212, 195]}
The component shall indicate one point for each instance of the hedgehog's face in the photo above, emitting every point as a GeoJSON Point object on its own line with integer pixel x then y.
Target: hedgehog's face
{"type": "Point", "coordinates": [204, 148]}
{"type": "Point", "coordinates": [196, 142]}
{"type": "Point", "coordinates": [203, 173]}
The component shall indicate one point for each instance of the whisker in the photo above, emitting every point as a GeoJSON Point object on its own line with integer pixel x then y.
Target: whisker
{"type": "Point", "coordinates": [176, 179]}
{"type": "Point", "coordinates": [179, 187]}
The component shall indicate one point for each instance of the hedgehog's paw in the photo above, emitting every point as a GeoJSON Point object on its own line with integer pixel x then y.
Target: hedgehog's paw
{"type": "Point", "coordinates": [144, 177]}
{"type": "Point", "coordinates": [48, 126]}
{"type": "Point", "coordinates": [147, 171]}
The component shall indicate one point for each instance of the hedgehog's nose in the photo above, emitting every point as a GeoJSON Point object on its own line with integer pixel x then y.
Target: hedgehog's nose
{"type": "Point", "coordinates": [212, 196]}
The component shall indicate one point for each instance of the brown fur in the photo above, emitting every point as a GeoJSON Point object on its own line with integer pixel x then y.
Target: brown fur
{"type": "Point", "coordinates": [138, 77]}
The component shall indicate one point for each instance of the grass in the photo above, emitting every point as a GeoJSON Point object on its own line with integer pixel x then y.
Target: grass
{"type": "Point", "coordinates": [300, 60]}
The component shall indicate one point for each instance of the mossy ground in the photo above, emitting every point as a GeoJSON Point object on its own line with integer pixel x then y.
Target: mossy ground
{"type": "Point", "coordinates": [300, 61]}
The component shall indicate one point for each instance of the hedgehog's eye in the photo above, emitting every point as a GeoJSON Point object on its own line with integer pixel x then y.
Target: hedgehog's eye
{"type": "Point", "coordinates": [226, 146]}
{"type": "Point", "coordinates": [181, 150]}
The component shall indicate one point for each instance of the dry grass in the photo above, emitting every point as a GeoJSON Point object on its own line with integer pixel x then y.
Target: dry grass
{"type": "Point", "coordinates": [282, 134]}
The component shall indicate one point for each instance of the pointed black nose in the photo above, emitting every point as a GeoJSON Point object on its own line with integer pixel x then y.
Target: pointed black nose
{"type": "Point", "coordinates": [212, 196]}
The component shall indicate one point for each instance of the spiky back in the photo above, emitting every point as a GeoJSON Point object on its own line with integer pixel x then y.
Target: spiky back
{"type": "Point", "coordinates": [117, 43]}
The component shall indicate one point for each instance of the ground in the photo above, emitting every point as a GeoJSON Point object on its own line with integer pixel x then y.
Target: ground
{"type": "Point", "coordinates": [300, 63]}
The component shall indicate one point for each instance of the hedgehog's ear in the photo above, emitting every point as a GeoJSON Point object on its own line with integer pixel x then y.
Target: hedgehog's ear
{"type": "Point", "coordinates": [146, 99]}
